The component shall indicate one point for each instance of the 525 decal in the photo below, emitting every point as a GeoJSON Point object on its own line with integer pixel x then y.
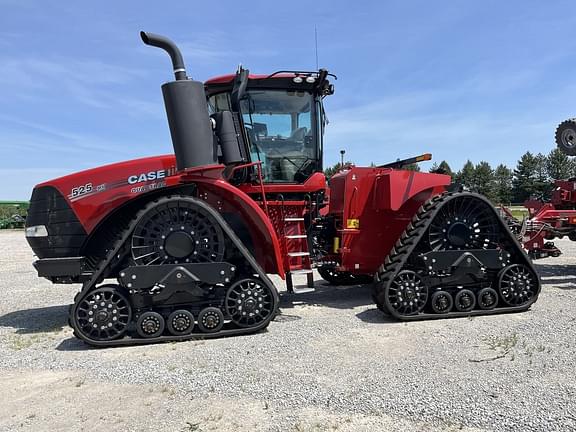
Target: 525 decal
{"type": "Point", "coordinates": [81, 190]}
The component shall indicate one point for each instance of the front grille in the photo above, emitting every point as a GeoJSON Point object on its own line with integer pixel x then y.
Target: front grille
{"type": "Point", "coordinates": [66, 235]}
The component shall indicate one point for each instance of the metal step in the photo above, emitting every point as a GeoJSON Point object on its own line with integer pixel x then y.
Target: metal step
{"type": "Point", "coordinates": [302, 290]}
{"type": "Point", "coordinates": [298, 254]}
{"type": "Point", "coordinates": [297, 236]}
{"type": "Point", "coordinates": [291, 219]}
{"type": "Point", "coordinates": [301, 271]}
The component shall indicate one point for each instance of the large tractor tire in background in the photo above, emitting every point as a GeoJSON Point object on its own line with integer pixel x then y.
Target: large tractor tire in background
{"type": "Point", "coordinates": [566, 137]}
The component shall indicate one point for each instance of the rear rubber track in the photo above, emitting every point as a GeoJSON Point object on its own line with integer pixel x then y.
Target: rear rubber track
{"type": "Point", "coordinates": [409, 240]}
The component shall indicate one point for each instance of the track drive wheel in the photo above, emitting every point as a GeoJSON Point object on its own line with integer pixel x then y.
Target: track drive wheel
{"type": "Point", "coordinates": [566, 137]}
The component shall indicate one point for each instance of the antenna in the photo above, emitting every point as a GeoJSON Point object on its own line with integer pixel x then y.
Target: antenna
{"type": "Point", "coordinates": [316, 45]}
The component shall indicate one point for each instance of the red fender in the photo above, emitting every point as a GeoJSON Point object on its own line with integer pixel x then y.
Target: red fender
{"type": "Point", "coordinates": [227, 198]}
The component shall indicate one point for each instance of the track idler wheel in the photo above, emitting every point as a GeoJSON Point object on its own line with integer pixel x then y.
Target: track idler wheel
{"type": "Point", "coordinates": [103, 314]}
{"type": "Point", "coordinates": [441, 302]}
{"type": "Point", "coordinates": [210, 320]}
{"type": "Point", "coordinates": [249, 302]}
{"type": "Point", "coordinates": [407, 294]}
{"type": "Point", "coordinates": [487, 298]}
{"type": "Point", "coordinates": [150, 325]}
{"type": "Point", "coordinates": [465, 300]}
{"type": "Point", "coordinates": [180, 322]}
{"type": "Point", "coordinates": [516, 284]}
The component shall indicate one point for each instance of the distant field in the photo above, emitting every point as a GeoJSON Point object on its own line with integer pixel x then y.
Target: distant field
{"type": "Point", "coordinates": [519, 212]}
{"type": "Point", "coordinates": [8, 209]}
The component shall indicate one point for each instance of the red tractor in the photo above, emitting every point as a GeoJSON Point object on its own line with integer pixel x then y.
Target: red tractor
{"type": "Point", "coordinates": [179, 246]}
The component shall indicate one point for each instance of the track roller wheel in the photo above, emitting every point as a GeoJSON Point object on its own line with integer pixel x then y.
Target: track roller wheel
{"type": "Point", "coordinates": [565, 137]}
{"type": "Point", "coordinates": [465, 300]}
{"type": "Point", "coordinates": [150, 325]}
{"type": "Point", "coordinates": [210, 320]}
{"type": "Point", "coordinates": [103, 314]}
{"type": "Point", "coordinates": [487, 298]}
{"type": "Point", "coordinates": [516, 284]}
{"type": "Point", "coordinates": [249, 302]}
{"type": "Point", "coordinates": [180, 322]}
{"type": "Point", "coordinates": [407, 294]}
{"type": "Point", "coordinates": [441, 302]}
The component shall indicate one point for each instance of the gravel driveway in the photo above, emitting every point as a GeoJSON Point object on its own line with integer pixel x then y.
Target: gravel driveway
{"type": "Point", "coordinates": [329, 362]}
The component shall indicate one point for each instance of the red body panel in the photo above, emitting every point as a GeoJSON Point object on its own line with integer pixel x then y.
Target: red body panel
{"type": "Point", "coordinates": [374, 206]}
{"type": "Point", "coordinates": [111, 186]}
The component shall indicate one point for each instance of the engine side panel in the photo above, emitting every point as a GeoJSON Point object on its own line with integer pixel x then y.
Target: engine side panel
{"type": "Point", "coordinates": [373, 207]}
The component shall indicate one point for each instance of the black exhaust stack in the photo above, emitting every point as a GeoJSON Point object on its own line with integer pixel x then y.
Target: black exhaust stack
{"type": "Point", "coordinates": [187, 111]}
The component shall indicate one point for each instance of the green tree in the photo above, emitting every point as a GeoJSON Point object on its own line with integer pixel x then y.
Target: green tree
{"type": "Point", "coordinates": [483, 180]}
{"type": "Point", "coordinates": [525, 176]}
{"type": "Point", "coordinates": [466, 175]}
{"type": "Point", "coordinates": [330, 171]}
{"type": "Point", "coordinates": [412, 167]}
{"type": "Point", "coordinates": [442, 168]}
{"type": "Point", "coordinates": [543, 184]}
{"type": "Point", "coordinates": [503, 184]}
{"type": "Point", "coordinates": [559, 166]}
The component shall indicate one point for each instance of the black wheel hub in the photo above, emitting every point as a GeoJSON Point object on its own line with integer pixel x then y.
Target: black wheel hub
{"type": "Point", "coordinates": [459, 234]}
{"type": "Point", "coordinates": [249, 302]}
{"type": "Point", "coordinates": [179, 244]}
{"type": "Point", "coordinates": [568, 137]}
{"type": "Point", "coordinates": [103, 314]}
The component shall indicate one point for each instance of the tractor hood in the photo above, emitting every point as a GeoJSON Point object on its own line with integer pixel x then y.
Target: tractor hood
{"type": "Point", "coordinates": [93, 193]}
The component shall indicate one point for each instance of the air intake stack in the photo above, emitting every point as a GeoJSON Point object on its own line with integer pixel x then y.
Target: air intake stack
{"type": "Point", "coordinates": [187, 111]}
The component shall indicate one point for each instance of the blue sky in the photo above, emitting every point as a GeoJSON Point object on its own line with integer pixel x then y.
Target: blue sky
{"type": "Point", "coordinates": [481, 80]}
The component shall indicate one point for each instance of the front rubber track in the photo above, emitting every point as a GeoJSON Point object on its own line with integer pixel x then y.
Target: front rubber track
{"type": "Point", "coordinates": [101, 272]}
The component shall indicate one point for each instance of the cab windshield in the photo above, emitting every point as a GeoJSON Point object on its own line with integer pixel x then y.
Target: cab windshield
{"type": "Point", "coordinates": [279, 126]}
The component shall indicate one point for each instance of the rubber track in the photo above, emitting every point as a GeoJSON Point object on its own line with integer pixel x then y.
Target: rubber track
{"type": "Point", "coordinates": [115, 253]}
{"type": "Point", "coordinates": [412, 236]}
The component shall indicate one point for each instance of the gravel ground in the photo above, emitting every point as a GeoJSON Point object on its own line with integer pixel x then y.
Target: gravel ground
{"type": "Point", "coordinates": [330, 362]}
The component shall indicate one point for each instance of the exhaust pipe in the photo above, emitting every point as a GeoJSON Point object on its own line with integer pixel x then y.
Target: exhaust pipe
{"type": "Point", "coordinates": [186, 109]}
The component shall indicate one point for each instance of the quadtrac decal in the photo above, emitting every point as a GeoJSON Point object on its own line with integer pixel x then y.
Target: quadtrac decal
{"type": "Point", "coordinates": [140, 182]}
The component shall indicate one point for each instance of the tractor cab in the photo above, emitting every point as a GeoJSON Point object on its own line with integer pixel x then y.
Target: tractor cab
{"type": "Point", "coordinates": [282, 118]}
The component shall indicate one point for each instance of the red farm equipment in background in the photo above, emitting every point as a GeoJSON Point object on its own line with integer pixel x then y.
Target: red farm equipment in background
{"type": "Point", "coordinates": [552, 218]}
{"type": "Point", "coordinates": [179, 246]}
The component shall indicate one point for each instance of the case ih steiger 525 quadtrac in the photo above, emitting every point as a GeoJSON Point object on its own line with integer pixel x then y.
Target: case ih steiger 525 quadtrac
{"type": "Point", "coordinates": [177, 246]}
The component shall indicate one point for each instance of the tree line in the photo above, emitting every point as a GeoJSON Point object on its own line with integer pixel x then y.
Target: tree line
{"type": "Point", "coordinates": [532, 176]}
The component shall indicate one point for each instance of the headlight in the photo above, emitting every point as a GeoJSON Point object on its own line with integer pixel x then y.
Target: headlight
{"type": "Point", "coordinates": [36, 231]}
